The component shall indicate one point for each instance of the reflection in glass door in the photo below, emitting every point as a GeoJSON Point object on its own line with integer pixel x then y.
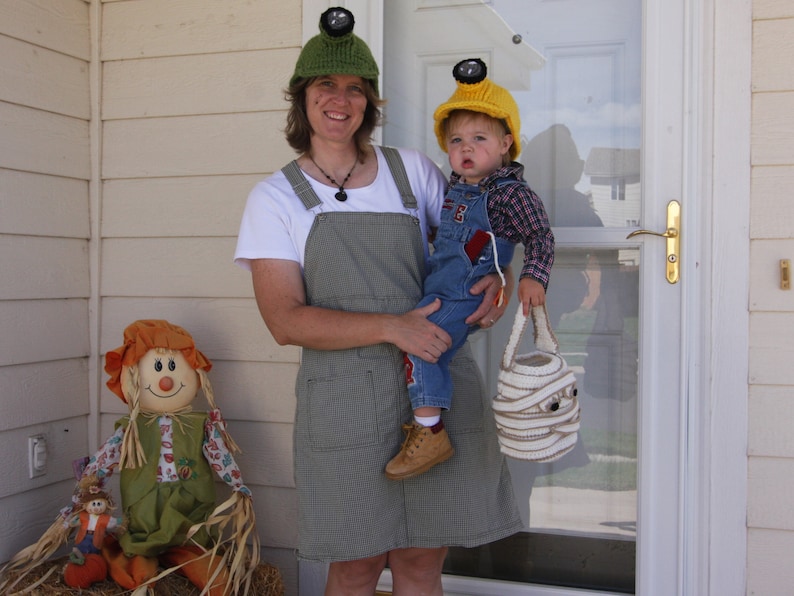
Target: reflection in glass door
{"type": "Point", "coordinates": [575, 72]}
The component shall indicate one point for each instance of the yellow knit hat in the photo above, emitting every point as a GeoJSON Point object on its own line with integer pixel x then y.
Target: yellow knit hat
{"type": "Point", "coordinates": [478, 94]}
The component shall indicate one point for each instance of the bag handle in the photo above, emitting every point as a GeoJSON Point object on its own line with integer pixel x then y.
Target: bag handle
{"type": "Point", "coordinates": [545, 340]}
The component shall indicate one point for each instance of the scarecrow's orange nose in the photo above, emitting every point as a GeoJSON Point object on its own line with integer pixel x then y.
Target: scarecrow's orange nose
{"type": "Point", "coordinates": [166, 383]}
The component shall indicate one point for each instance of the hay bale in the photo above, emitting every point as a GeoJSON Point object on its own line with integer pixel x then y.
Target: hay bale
{"type": "Point", "coordinates": [47, 580]}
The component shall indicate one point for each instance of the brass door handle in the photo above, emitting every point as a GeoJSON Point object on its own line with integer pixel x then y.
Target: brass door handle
{"type": "Point", "coordinates": [673, 236]}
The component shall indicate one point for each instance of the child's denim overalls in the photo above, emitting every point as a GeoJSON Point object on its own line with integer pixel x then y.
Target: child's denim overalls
{"type": "Point", "coordinates": [451, 275]}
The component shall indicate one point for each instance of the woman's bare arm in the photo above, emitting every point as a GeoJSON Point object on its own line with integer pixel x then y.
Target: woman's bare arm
{"type": "Point", "coordinates": [281, 298]}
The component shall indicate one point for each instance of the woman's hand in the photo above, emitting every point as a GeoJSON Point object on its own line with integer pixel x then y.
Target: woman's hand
{"type": "Point", "coordinates": [489, 311]}
{"type": "Point", "coordinates": [414, 334]}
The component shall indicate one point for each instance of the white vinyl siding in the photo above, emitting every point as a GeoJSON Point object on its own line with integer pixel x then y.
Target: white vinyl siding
{"type": "Point", "coordinates": [44, 239]}
{"type": "Point", "coordinates": [192, 111]}
{"type": "Point", "coordinates": [771, 396]}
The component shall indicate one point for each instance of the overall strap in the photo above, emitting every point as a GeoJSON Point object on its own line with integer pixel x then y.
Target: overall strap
{"type": "Point", "coordinates": [310, 199]}
{"type": "Point", "coordinates": [397, 168]}
{"type": "Point", "coordinates": [300, 185]}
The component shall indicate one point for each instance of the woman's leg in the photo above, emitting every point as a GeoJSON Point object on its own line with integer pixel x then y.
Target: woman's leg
{"type": "Point", "coordinates": [417, 571]}
{"type": "Point", "coordinates": [354, 578]}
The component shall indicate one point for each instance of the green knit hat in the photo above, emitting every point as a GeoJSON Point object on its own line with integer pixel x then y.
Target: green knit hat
{"type": "Point", "coordinates": [336, 50]}
{"type": "Point", "coordinates": [476, 93]}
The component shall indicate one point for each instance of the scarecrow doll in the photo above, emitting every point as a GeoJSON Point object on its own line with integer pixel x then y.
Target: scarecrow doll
{"type": "Point", "coordinates": [94, 522]}
{"type": "Point", "coordinates": [168, 457]}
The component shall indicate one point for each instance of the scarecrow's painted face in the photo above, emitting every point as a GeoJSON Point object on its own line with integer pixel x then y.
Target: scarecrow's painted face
{"type": "Point", "coordinates": [96, 506]}
{"type": "Point", "coordinates": [167, 381]}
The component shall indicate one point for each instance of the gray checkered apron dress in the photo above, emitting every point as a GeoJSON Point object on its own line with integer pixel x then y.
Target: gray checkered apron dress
{"type": "Point", "coordinates": [351, 405]}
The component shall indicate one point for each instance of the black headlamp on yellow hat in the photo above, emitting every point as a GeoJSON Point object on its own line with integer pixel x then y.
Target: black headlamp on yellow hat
{"type": "Point", "coordinates": [476, 93]}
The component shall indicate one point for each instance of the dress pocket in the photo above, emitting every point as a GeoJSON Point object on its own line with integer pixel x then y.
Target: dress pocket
{"type": "Point", "coordinates": [342, 412]}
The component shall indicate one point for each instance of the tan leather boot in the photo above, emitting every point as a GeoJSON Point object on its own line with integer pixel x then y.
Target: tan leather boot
{"type": "Point", "coordinates": [423, 448]}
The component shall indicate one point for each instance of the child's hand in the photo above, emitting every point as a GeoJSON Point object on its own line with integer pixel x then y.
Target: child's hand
{"type": "Point", "coordinates": [531, 293]}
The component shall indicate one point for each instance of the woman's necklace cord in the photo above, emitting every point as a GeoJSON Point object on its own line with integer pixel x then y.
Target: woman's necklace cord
{"type": "Point", "coordinates": [341, 195]}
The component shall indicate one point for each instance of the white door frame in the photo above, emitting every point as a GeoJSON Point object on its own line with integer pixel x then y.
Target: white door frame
{"type": "Point", "coordinates": [716, 514]}
{"type": "Point", "coordinates": [713, 498]}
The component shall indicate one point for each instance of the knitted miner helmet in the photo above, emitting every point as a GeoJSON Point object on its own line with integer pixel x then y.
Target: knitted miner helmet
{"type": "Point", "coordinates": [478, 94]}
{"type": "Point", "coordinates": [336, 50]}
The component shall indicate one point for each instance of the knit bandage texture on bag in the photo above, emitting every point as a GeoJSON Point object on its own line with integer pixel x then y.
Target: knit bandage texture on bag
{"type": "Point", "coordinates": [536, 407]}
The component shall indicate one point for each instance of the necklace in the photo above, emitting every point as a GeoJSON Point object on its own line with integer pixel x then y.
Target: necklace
{"type": "Point", "coordinates": [341, 195]}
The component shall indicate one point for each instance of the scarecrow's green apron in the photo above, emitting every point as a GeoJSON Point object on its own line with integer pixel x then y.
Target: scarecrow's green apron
{"type": "Point", "coordinates": [161, 513]}
{"type": "Point", "coordinates": [352, 403]}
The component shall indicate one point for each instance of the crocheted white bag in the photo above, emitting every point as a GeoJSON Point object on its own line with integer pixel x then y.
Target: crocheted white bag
{"type": "Point", "coordinates": [536, 408]}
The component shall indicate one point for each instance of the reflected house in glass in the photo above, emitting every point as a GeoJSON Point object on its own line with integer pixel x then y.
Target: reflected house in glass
{"type": "Point", "coordinates": [615, 185]}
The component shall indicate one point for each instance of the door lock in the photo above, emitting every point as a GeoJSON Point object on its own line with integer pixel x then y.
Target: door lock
{"type": "Point", "coordinates": [673, 236]}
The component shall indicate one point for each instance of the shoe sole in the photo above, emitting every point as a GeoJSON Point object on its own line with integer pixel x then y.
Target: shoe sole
{"type": "Point", "coordinates": [419, 471]}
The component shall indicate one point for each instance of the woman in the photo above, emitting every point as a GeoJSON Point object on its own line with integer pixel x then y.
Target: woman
{"type": "Point", "coordinates": [336, 243]}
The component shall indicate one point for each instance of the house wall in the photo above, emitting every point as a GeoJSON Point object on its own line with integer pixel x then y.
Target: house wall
{"type": "Point", "coordinates": [192, 106]}
{"type": "Point", "coordinates": [770, 516]}
{"type": "Point", "coordinates": [134, 214]}
{"type": "Point", "coordinates": [44, 242]}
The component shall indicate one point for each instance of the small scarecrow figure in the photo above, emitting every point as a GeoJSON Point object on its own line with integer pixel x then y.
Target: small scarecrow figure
{"type": "Point", "coordinates": [94, 522]}
{"type": "Point", "coordinates": [168, 456]}
{"type": "Point", "coordinates": [90, 514]}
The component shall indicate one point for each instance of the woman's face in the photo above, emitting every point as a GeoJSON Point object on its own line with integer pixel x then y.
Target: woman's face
{"type": "Point", "coordinates": [335, 106]}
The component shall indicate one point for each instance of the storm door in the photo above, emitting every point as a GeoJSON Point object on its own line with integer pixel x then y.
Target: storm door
{"type": "Point", "coordinates": [599, 87]}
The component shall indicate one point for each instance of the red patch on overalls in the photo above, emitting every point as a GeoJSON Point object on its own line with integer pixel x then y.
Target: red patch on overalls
{"type": "Point", "coordinates": [475, 245]}
{"type": "Point", "coordinates": [409, 369]}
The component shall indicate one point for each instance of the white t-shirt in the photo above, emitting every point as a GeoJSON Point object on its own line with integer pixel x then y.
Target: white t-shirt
{"type": "Point", "coordinates": [275, 223]}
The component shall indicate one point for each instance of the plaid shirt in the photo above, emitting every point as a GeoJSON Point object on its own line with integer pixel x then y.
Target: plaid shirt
{"type": "Point", "coordinates": [517, 214]}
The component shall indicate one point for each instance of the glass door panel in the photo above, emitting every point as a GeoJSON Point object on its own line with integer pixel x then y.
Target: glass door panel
{"type": "Point", "coordinates": [574, 68]}
{"type": "Point", "coordinates": [581, 510]}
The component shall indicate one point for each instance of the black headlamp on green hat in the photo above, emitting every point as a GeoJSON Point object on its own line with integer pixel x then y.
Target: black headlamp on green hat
{"type": "Point", "coordinates": [336, 50]}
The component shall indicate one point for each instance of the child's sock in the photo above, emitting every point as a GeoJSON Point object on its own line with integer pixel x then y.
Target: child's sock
{"type": "Point", "coordinates": [428, 420]}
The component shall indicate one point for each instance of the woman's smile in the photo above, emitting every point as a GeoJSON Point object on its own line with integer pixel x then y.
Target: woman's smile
{"type": "Point", "coordinates": [336, 116]}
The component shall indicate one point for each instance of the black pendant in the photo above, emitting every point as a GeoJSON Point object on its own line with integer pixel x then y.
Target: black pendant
{"type": "Point", "coordinates": [341, 195]}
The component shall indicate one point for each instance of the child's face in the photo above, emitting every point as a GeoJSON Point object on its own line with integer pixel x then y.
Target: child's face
{"type": "Point", "coordinates": [476, 144]}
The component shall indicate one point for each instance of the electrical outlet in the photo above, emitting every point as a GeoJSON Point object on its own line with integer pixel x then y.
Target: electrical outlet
{"type": "Point", "coordinates": [37, 455]}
